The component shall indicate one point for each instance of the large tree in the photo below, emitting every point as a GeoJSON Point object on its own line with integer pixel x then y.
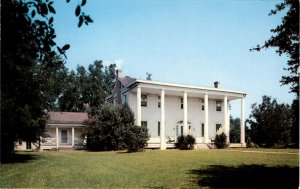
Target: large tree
{"type": "Point", "coordinates": [30, 66]}
{"type": "Point", "coordinates": [271, 123]}
{"type": "Point", "coordinates": [86, 90]}
{"type": "Point", "coordinates": [285, 39]}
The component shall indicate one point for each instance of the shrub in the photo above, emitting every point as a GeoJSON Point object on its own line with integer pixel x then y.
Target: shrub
{"type": "Point", "coordinates": [136, 138]}
{"type": "Point", "coordinates": [220, 140]}
{"type": "Point", "coordinates": [185, 142]}
{"type": "Point", "coordinates": [113, 129]}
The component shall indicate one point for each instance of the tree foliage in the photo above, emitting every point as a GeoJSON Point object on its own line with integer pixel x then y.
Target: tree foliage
{"type": "Point", "coordinates": [31, 67]}
{"type": "Point", "coordinates": [86, 90]}
{"type": "Point", "coordinates": [235, 130]}
{"type": "Point", "coordinates": [113, 129]}
{"type": "Point", "coordinates": [286, 41]}
{"type": "Point", "coordinates": [271, 123]}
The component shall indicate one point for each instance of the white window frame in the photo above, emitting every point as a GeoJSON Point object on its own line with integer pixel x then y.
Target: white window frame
{"type": "Point", "coordinates": [159, 101]}
{"type": "Point", "coordinates": [144, 100]}
{"type": "Point", "coordinates": [218, 105]}
{"type": "Point", "coordinates": [144, 123]}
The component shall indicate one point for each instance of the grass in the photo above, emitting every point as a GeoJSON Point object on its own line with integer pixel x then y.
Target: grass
{"type": "Point", "coordinates": [151, 169]}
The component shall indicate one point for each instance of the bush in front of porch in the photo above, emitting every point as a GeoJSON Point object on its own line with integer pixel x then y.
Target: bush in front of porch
{"type": "Point", "coordinates": [113, 129]}
{"type": "Point", "coordinates": [185, 142]}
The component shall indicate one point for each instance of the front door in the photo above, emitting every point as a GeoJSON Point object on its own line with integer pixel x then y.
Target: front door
{"type": "Point", "coordinates": [64, 136]}
{"type": "Point", "coordinates": [179, 128]}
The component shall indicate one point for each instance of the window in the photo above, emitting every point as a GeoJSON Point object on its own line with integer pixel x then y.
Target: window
{"type": "Point", "coordinates": [158, 129]}
{"type": "Point", "coordinates": [144, 100]}
{"type": "Point", "coordinates": [190, 130]}
{"type": "Point", "coordinates": [28, 145]}
{"type": "Point", "coordinates": [125, 100]}
{"type": "Point", "coordinates": [218, 106]}
{"type": "Point", "coordinates": [181, 103]}
{"type": "Point", "coordinates": [158, 101]}
{"type": "Point", "coordinates": [181, 130]}
{"type": "Point", "coordinates": [202, 129]}
{"type": "Point", "coordinates": [144, 124]}
{"type": "Point", "coordinates": [218, 126]}
{"type": "Point", "coordinates": [20, 142]}
{"type": "Point", "coordinates": [202, 104]}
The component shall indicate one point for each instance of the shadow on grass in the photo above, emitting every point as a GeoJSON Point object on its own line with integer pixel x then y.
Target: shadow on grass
{"type": "Point", "coordinates": [247, 176]}
{"type": "Point", "coordinates": [18, 158]}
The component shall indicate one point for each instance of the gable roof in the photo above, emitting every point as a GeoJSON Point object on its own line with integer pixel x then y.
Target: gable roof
{"type": "Point", "coordinates": [67, 117]}
{"type": "Point", "coordinates": [127, 80]}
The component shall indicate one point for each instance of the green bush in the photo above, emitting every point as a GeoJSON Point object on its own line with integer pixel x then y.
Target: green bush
{"type": "Point", "coordinates": [220, 140]}
{"type": "Point", "coordinates": [136, 138]}
{"type": "Point", "coordinates": [185, 142]}
{"type": "Point", "coordinates": [114, 129]}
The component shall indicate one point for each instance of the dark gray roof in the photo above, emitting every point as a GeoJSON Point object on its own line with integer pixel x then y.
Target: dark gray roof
{"type": "Point", "coordinates": [127, 80]}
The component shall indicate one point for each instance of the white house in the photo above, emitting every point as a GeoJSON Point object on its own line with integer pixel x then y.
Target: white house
{"type": "Point", "coordinates": [169, 110]}
{"type": "Point", "coordinates": [63, 131]}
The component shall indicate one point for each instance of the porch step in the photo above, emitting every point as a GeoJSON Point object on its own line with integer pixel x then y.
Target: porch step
{"type": "Point", "coordinates": [65, 148]}
{"type": "Point", "coordinates": [201, 147]}
{"type": "Point", "coordinates": [211, 146]}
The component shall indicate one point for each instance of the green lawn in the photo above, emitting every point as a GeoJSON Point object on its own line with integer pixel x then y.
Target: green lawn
{"type": "Point", "coordinates": [153, 168]}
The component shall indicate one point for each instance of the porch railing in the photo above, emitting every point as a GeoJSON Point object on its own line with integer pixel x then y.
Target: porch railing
{"type": "Point", "coordinates": [49, 142]}
{"type": "Point", "coordinates": [52, 142]}
{"type": "Point", "coordinates": [78, 142]}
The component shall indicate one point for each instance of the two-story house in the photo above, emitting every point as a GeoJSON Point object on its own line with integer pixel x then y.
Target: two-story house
{"type": "Point", "coordinates": [170, 110]}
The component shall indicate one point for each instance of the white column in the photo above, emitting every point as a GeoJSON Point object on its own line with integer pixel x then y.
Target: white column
{"type": "Point", "coordinates": [185, 130]}
{"type": "Point", "coordinates": [228, 119]}
{"type": "Point", "coordinates": [57, 137]}
{"type": "Point", "coordinates": [226, 126]}
{"type": "Point", "coordinates": [206, 118]}
{"type": "Point", "coordinates": [73, 137]}
{"type": "Point", "coordinates": [138, 106]}
{"type": "Point", "coordinates": [162, 120]}
{"type": "Point", "coordinates": [243, 121]}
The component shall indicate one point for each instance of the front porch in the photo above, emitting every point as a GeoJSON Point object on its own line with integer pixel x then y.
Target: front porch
{"type": "Point", "coordinates": [63, 137]}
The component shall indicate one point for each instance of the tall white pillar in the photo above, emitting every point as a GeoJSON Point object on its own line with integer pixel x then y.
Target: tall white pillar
{"type": "Point", "coordinates": [57, 138]}
{"type": "Point", "coordinates": [243, 122]}
{"type": "Point", "coordinates": [206, 140]}
{"type": "Point", "coordinates": [226, 126]}
{"type": "Point", "coordinates": [185, 106]}
{"type": "Point", "coordinates": [162, 120]}
{"type": "Point", "coordinates": [138, 106]}
{"type": "Point", "coordinates": [73, 137]}
{"type": "Point", "coordinates": [228, 119]}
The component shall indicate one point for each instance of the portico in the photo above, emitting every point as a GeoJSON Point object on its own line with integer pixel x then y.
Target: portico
{"type": "Point", "coordinates": [186, 94]}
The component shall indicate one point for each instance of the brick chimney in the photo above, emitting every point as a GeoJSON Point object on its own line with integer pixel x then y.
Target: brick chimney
{"type": "Point", "coordinates": [118, 86]}
{"type": "Point", "coordinates": [119, 73]}
{"type": "Point", "coordinates": [217, 84]}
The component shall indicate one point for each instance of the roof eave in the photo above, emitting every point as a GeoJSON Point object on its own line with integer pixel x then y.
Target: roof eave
{"type": "Point", "coordinates": [187, 86]}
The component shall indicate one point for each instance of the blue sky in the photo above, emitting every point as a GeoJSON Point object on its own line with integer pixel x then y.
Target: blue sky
{"type": "Point", "coordinates": [183, 41]}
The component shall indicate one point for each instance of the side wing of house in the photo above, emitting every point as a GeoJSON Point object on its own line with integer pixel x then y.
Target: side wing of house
{"type": "Point", "coordinates": [63, 131]}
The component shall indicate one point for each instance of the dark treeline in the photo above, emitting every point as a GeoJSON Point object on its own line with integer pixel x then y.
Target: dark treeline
{"type": "Point", "coordinates": [85, 90]}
